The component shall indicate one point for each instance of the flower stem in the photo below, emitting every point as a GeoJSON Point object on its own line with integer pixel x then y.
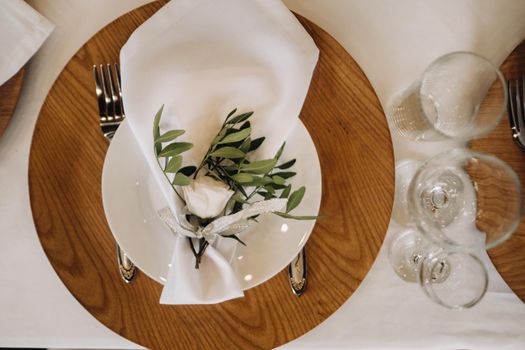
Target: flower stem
{"type": "Point", "coordinates": [203, 244]}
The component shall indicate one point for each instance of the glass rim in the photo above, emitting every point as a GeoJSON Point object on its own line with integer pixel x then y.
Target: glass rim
{"type": "Point", "coordinates": [443, 240]}
{"type": "Point", "coordinates": [431, 293]}
{"type": "Point", "coordinates": [500, 76]}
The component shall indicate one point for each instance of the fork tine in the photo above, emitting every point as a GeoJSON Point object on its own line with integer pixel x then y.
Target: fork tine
{"type": "Point", "coordinates": [119, 90]}
{"type": "Point", "coordinates": [520, 115]}
{"type": "Point", "coordinates": [510, 108]}
{"type": "Point", "coordinates": [113, 95]}
{"type": "Point", "coordinates": [102, 107]}
{"type": "Point", "coordinates": [518, 109]}
{"type": "Point", "coordinates": [107, 98]}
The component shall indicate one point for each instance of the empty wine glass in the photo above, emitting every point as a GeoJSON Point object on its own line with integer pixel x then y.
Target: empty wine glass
{"type": "Point", "coordinates": [454, 279]}
{"type": "Point", "coordinates": [465, 199]}
{"type": "Point", "coordinates": [406, 250]}
{"type": "Point", "coordinates": [460, 95]}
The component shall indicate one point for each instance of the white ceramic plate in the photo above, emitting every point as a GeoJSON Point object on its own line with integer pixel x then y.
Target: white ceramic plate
{"type": "Point", "coordinates": [130, 194]}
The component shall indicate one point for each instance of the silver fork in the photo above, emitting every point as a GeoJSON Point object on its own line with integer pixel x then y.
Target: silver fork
{"type": "Point", "coordinates": [111, 114]}
{"type": "Point", "coordinates": [516, 110]}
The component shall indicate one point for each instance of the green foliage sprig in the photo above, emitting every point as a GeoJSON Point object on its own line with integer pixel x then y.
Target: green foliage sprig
{"type": "Point", "coordinates": [172, 154]}
{"type": "Point", "coordinates": [228, 160]}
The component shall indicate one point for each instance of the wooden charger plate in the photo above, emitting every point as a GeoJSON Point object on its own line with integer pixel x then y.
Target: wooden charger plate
{"type": "Point", "coordinates": [350, 132]}
{"type": "Point", "coordinates": [509, 258]}
{"type": "Point", "coordinates": [9, 94]}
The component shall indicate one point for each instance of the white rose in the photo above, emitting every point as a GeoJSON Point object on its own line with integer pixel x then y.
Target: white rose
{"type": "Point", "coordinates": [206, 197]}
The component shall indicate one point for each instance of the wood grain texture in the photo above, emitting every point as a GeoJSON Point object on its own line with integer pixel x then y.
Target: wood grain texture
{"type": "Point", "coordinates": [509, 258]}
{"type": "Point", "coordinates": [349, 129]}
{"type": "Point", "coordinates": [9, 94]}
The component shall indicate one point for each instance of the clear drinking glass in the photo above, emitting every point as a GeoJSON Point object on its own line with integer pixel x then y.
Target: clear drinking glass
{"type": "Point", "coordinates": [465, 199]}
{"type": "Point", "coordinates": [406, 250]}
{"type": "Point", "coordinates": [454, 279]}
{"type": "Point", "coordinates": [460, 95]}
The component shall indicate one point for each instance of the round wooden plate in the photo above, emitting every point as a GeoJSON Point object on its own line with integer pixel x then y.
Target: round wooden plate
{"type": "Point", "coordinates": [9, 94]}
{"type": "Point", "coordinates": [350, 132]}
{"type": "Point", "coordinates": [509, 258]}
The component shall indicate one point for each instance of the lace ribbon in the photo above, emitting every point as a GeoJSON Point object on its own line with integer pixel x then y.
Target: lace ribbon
{"type": "Point", "coordinates": [224, 226]}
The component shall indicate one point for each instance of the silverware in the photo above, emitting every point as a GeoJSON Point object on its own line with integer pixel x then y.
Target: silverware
{"type": "Point", "coordinates": [516, 110]}
{"type": "Point", "coordinates": [111, 114]}
{"type": "Point", "coordinates": [298, 273]}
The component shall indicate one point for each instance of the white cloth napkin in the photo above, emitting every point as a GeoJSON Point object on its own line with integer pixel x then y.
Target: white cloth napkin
{"type": "Point", "coordinates": [22, 32]}
{"type": "Point", "coordinates": [201, 59]}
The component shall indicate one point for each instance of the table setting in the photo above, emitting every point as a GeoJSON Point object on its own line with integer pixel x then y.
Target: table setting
{"type": "Point", "coordinates": [135, 238]}
{"type": "Point", "coordinates": [262, 179]}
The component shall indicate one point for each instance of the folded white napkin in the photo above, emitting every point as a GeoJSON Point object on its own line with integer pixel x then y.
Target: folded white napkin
{"type": "Point", "coordinates": [22, 32]}
{"type": "Point", "coordinates": [201, 59]}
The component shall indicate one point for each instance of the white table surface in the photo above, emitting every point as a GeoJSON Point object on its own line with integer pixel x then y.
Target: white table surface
{"type": "Point", "coordinates": [384, 313]}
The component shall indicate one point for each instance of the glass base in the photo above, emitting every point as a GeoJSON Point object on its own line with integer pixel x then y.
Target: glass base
{"type": "Point", "coordinates": [406, 251]}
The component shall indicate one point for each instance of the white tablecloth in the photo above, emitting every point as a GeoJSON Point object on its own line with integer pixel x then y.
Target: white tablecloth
{"type": "Point", "coordinates": [384, 313]}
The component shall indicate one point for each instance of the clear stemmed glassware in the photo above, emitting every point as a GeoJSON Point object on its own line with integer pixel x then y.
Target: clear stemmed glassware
{"type": "Point", "coordinates": [464, 199]}
{"type": "Point", "coordinates": [460, 95]}
{"type": "Point", "coordinates": [454, 279]}
{"type": "Point", "coordinates": [406, 250]}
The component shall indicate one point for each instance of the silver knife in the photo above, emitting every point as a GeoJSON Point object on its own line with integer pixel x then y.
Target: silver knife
{"type": "Point", "coordinates": [298, 273]}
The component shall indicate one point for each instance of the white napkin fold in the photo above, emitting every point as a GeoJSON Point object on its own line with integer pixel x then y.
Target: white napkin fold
{"type": "Point", "coordinates": [201, 59]}
{"type": "Point", "coordinates": [22, 32]}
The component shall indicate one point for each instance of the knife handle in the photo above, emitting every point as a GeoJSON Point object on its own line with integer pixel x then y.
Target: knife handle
{"type": "Point", "coordinates": [297, 273]}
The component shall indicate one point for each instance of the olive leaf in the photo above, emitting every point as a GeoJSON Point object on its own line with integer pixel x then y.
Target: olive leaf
{"type": "Point", "coordinates": [219, 137]}
{"type": "Point", "coordinates": [175, 148]}
{"type": "Point", "coordinates": [171, 154]}
{"type": "Point", "coordinates": [245, 145]}
{"type": "Point", "coordinates": [280, 151]}
{"type": "Point", "coordinates": [237, 136]}
{"type": "Point", "coordinates": [239, 118]}
{"type": "Point", "coordinates": [169, 135]}
{"type": "Point", "coordinates": [269, 189]}
{"type": "Point", "coordinates": [173, 165]}
{"type": "Point", "coordinates": [245, 125]}
{"type": "Point", "coordinates": [228, 152]}
{"type": "Point", "coordinates": [286, 165]}
{"type": "Point", "coordinates": [156, 130]}
{"type": "Point", "coordinates": [277, 186]}
{"type": "Point", "coordinates": [259, 181]}
{"type": "Point", "coordinates": [295, 198]}
{"type": "Point", "coordinates": [285, 174]}
{"type": "Point", "coordinates": [242, 178]}
{"type": "Point", "coordinates": [278, 180]}
{"type": "Point", "coordinates": [256, 143]}
{"type": "Point", "coordinates": [259, 166]}
{"type": "Point", "coordinates": [296, 217]}
{"type": "Point", "coordinates": [286, 192]}
{"type": "Point", "coordinates": [238, 198]}
{"type": "Point", "coordinates": [231, 113]}
{"type": "Point", "coordinates": [181, 180]}
{"type": "Point", "coordinates": [188, 170]}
